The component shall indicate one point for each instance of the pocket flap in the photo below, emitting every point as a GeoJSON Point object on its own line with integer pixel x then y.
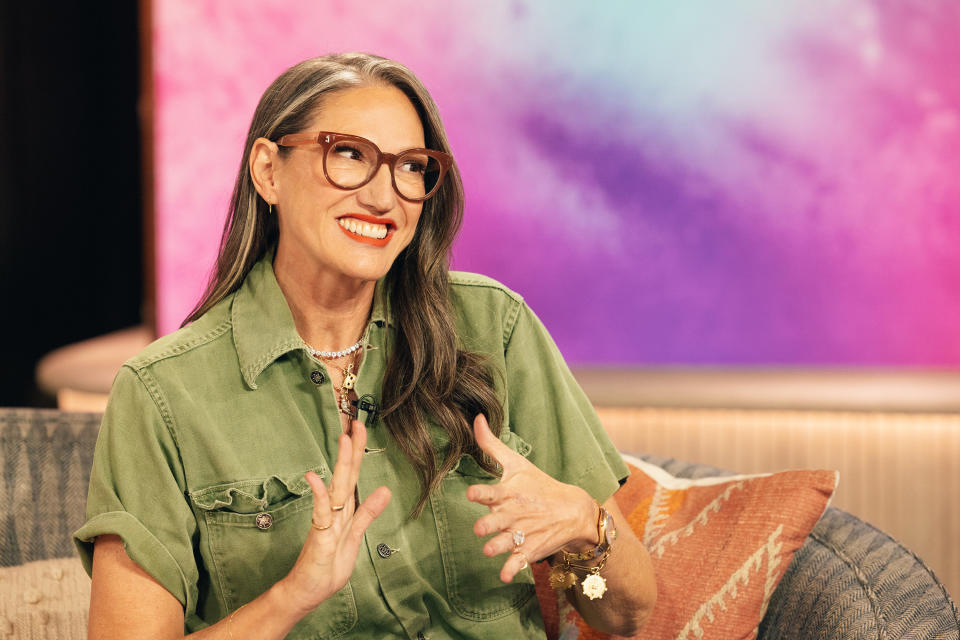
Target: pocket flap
{"type": "Point", "coordinates": [253, 496]}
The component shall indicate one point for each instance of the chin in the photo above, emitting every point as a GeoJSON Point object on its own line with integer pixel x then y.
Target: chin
{"type": "Point", "coordinates": [362, 270]}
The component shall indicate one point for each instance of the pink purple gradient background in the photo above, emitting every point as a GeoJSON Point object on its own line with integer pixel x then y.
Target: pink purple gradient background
{"type": "Point", "coordinates": [751, 183]}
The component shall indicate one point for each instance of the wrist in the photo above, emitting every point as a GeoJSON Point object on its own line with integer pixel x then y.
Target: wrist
{"type": "Point", "coordinates": [284, 597]}
{"type": "Point", "coordinates": [586, 537]}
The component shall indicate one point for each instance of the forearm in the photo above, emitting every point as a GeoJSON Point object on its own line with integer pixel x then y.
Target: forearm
{"type": "Point", "coordinates": [630, 596]}
{"type": "Point", "coordinates": [631, 589]}
{"type": "Point", "coordinates": [123, 597]}
{"type": "Point", "coordinates": [267, 617]}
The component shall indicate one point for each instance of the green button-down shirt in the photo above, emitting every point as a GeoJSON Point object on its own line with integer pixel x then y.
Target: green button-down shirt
{"type": "Point", "coordinates": [208, 433]}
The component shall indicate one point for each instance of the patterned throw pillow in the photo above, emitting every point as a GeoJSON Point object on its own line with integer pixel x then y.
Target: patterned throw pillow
{"type": "Point", "coordinates": [719, 548]}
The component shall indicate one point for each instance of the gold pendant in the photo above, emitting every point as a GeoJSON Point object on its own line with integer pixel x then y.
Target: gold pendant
{"type": "Point", "coordinates": [349, 380]}
{"type": "Point", "coordinates": [556, 577]}
{"type": "Point", "coordinates": [349, 377]}
{"type": "Point", "coordinates": [560, 578]}
{"type": "Point", "coordinates": [594, 586]}
{"type": "Point", "coordinates": [345, 406]}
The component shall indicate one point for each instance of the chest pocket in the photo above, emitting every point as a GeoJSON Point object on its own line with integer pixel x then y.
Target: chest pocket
{"type": "Point", "coordinates": [473, 581]}
{"type": "Point", "coordinates": [251, 533]}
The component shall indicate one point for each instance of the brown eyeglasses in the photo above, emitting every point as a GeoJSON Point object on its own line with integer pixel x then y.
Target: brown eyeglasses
{"type": "Point", "coordinates": [349, 162]}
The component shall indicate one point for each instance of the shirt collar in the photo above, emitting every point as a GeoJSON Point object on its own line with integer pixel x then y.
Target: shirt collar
{"type": "Point", "coordinates": [263, 328]}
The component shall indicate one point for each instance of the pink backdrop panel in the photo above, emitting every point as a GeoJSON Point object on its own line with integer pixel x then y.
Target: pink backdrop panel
{"type": "Point", "coordinates": [706, 183]}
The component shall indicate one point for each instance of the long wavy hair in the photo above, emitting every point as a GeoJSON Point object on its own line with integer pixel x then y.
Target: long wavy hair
{"type": "Point", "coordinates": [428, 378]}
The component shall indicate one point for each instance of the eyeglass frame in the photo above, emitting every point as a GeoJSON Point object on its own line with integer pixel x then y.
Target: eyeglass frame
{"type": "Point", "coordinates": [326, 139]}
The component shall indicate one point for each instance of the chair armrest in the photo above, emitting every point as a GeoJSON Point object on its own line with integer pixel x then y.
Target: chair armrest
{"type": "Point", "coordinates": [851, 581]}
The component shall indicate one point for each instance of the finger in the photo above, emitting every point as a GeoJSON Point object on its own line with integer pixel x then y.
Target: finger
{"type": "Point", "coordinates": [490, 495]}
{"type": "Point", "coordinates": [322, 516]}
{"type": "Point", "coordinates": [516, 563]}
{"type": "Point", "coordinates": [367, 512]}
{"type": "Point", "coordinates": [509, 459]}
{"type": "Point", "coordinates": [340, 488]}
{"type": "Point", "coordinates": [493, 522]}
{"type": "Point", "coordinates": [499, 544]}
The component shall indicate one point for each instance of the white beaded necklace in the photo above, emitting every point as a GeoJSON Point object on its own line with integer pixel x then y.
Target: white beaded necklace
{"type": "Point", "coordinates": [333, 355]}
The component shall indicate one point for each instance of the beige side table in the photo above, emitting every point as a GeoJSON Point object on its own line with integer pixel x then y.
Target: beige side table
{"type": "Point", "coordinates": [79, 375]}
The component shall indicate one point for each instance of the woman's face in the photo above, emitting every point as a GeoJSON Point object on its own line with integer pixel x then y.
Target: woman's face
{"type": "Point", "coordinates": [315, 216]}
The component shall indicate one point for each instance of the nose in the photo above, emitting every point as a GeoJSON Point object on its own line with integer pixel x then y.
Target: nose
{"type": "Point", "coordinates": [378, 194]}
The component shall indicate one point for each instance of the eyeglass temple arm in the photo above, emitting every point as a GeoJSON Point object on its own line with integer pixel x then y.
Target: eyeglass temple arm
{"type": "Point", "coordinates": [296, 139]}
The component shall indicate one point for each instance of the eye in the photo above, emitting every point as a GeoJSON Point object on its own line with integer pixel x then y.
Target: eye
{"type": "Point", "coordinates": [414, 165]}
{"type": "Point", "coordinates": [348, 152]}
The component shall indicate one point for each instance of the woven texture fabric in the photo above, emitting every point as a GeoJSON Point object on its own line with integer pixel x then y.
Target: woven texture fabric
{"type": "Point", "coordinates": [718, 546]}
{"type": "Point", "coordinates": [44, 600]}
{"type": "Point", "coordinates": [849, 581]}
{"type": "Point", "coordinates": [45, 458]}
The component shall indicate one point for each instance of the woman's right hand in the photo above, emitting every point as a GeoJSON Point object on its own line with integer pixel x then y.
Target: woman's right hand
{"type": "Point", "coordinates": [329, 553]}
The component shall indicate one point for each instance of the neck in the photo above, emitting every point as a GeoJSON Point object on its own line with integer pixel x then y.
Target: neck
{"type": "Point", "coordinates": [330, 312]}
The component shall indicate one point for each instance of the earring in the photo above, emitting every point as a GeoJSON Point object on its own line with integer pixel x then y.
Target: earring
{"type": "Point", "coordinates": [271, 208]}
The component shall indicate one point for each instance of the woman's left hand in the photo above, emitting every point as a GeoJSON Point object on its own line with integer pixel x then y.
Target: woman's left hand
{"type": "Point", "coordinates": [548, 514]}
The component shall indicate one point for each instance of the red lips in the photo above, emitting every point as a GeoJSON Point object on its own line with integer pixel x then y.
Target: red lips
{"type": "Point", "coordinates": [376, 242]}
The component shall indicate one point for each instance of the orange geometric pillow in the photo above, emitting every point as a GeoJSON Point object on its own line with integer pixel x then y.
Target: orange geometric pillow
{"type": "Point", "coordinates": [719, 548]}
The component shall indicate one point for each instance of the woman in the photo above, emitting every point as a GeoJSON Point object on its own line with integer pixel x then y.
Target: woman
{"type": "Point", "coordinates": [332, 330]}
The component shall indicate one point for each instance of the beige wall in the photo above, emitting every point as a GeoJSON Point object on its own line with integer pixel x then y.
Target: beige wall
{"type": "Point", "coordinates": [898, 471]}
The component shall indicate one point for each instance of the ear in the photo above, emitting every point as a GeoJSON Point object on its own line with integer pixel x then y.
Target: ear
{"type": "Point", "coordinates": [264, 156]}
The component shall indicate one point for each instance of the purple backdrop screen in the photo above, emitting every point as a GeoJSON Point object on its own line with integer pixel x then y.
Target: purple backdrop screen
{"type": "Point", "coordinates": [699, 183]}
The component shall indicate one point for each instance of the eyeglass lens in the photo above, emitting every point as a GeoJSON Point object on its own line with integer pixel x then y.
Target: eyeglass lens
{"type": "Point", "coordinates": [350, 163]}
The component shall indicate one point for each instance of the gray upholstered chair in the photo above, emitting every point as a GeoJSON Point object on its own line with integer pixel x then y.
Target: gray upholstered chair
{"type": "Point", "coordinates": [850, 581]}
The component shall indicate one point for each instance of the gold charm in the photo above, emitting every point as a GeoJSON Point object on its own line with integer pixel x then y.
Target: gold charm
{"type": "Point", "coordinates": [594, 586]}
{"type": "Point", "coordinates": [561, 577]}
{"type": "Point", "coordinates": [557, 577]}
{"type": "Point", "coordinates": [345, 405]}
{"type": "Point", "coordinates": [349, 377]}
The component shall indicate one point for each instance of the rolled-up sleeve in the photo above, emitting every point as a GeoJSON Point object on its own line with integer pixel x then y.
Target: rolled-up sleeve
{"type": "Point", "coordinates": [548, 409]}
{"type": "Point", "coordinates": [137, 489]}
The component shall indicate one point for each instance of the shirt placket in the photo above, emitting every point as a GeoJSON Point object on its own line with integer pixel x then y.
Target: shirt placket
{"type": "Point", "coordinates": [389, 548]}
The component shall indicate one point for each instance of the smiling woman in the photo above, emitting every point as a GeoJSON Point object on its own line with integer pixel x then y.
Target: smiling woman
{"type": "Point", "coordinates": [335, 197]}
{"type": "Point", "coordinates": [341, 418]}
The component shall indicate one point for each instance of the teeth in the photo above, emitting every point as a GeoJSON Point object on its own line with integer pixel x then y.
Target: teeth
{"type": "Point", "coordinates": [366, 229]}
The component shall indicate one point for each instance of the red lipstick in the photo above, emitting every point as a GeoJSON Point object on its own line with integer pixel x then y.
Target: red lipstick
{"type": "Point", "coordinates": [376, 242]}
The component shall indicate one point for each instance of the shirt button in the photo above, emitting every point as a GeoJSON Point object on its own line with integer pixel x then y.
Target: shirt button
{"type": "Point", "coordinates": [385, 551]}
{"type": "Point", "coordinates": [317, 377]}
{"type": "Point", "coordinates": [264, 521]}
{"type": "Point", "coordinates": [420, 636]}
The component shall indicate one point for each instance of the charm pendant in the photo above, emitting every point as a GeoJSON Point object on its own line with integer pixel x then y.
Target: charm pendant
{"type": "Point", "coordinates": [349, 377]}
{"type": "Point", "coordinates": [556, 577]}
{"type": "Point", "coordinates": [594, 586]}
{"type": "Point", "coordinates": [346, 407]}
{"type": "Point", "coordinates": [560, 578]}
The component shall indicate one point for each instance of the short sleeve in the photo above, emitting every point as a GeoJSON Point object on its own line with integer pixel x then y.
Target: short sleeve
{"type": "Point", "coordinates": [137, 491]}
{"type": "Point", "coordinates": [547, 408]}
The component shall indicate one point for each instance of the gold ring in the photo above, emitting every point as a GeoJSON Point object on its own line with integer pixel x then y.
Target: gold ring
{"type": "Point", "coordinates": [524, 556]}
{"type": "Point", "coordinates": [313, 523]}
{"type": "Point", "coordinates": [336, 507]}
